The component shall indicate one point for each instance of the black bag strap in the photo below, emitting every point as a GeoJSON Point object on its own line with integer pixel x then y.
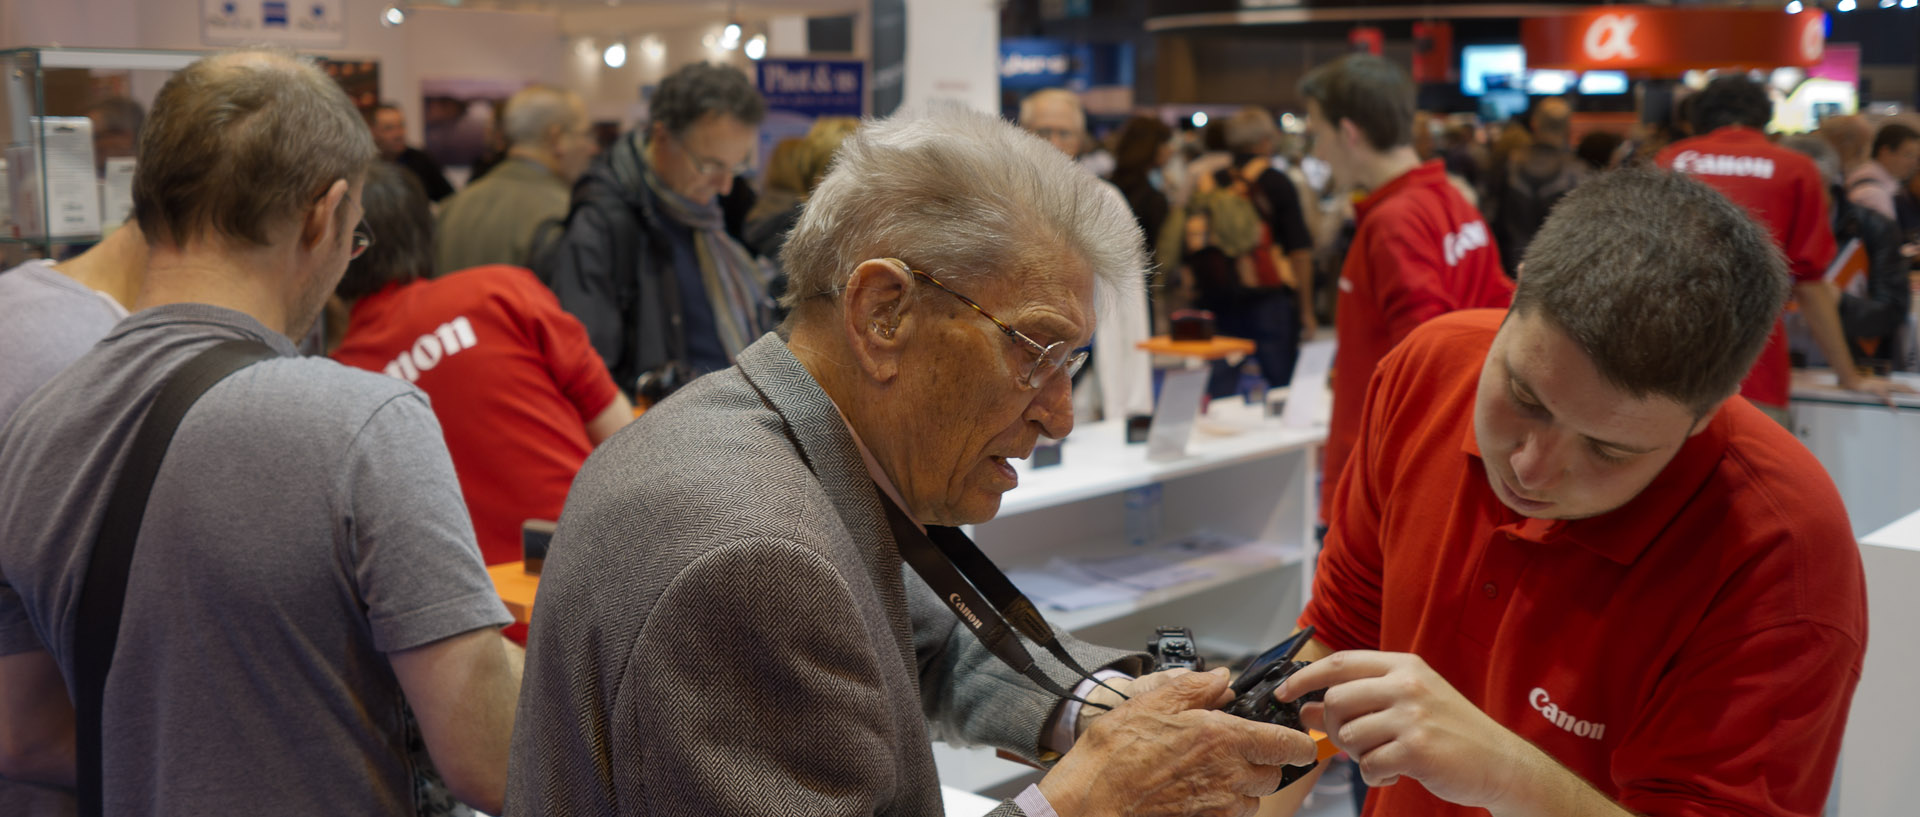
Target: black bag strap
{"type": "Point", "coordinates": [97, 628]}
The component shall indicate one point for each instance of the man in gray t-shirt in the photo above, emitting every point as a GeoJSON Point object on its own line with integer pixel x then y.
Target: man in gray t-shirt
{"type": "Point", "coordinates": [53, 315]}
{"type": "Point", "coordinates": [305, 574]}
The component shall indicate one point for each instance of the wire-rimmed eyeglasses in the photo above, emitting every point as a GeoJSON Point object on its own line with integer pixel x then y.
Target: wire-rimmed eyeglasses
{"type": "Point", "coordinates": [1048, 358]}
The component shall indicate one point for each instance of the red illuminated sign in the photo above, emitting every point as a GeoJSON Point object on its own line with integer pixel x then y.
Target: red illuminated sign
{"type": "Point", "coordinates": [1668, 41]}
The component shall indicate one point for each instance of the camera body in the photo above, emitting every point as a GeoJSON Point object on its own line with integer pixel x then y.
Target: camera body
{"type": "Point", "coordinates": [1253, 690]}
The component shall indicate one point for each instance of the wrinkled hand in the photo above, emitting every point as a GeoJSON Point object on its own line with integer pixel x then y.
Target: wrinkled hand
{"type": "Point", "coordinates": [1170, 752]}
{"type": "Point", "coordinates": [1132, 687]}
{"type": "Point", "coordinates": [1396, 716]}
{"type": "Point", "coordinates": [1880, 387]}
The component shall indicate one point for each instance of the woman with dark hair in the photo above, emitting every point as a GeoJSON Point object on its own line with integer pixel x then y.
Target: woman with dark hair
{"type": "Point", "coordinates": [1145, 144]}
{"type": "Point", "coordinates": [519, 391]}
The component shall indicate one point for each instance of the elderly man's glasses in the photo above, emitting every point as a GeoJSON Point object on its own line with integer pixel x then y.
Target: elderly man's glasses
{"type": "Point", "coordinates": [1048, 358]}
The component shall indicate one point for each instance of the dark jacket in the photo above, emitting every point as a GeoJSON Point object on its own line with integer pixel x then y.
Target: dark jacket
{"type": "Point", "coordinates": [1888, 295]}
{"type": "Point", "coordinates": [612, 268]}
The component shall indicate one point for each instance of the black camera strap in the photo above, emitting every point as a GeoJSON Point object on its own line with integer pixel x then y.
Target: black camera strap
{"type": "Point", "coordinates": [109, 565]}
{"type": "Point", "coordinates": [952, 565]}
{"type": "Point", "coordinates": [932, 555]}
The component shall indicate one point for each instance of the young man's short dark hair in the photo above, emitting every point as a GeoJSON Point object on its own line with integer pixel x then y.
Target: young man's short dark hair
{"type": "Point", "coordinates": [1372, 93]}
{"type": "Point", "coordinates": [1731, 100]}
{"type": "Point", "coordinates": [402, 225]}
{"type": "Point", "coordinates": [1892, 136]}
{"type": "Point", "coordinates": [702, 88]}
{"type": "Point", "coordinates": [1671, 288]}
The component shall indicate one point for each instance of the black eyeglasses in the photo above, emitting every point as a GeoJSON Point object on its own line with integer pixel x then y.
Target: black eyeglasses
{"type": "Point", "coordinates": [362, 234]}
{"type": "Point", "coordinates": [1051, 357]}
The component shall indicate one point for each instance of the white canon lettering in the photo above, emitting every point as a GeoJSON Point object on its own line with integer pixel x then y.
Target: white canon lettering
{"type": "Point", "coordinates": [1611, 37]}
{"type": "Point", "coordinates": [964, 611]}
{"type": "Point", "coordinates": [1455, 246]}
{"type": "Point", "coordinates": [1563, 719]}
{"type": "Point", "coordinates": [426, 352]}
{"type": "Point", "coordinates": [463, 329]}
{"type": "Point", "coordinates": [1711, 164]}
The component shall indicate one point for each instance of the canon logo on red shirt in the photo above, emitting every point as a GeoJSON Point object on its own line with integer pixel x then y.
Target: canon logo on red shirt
{"type": "Point", "coordinates": [1562, 718]}
{"type": "Point", "coordinates": [1714, 164]}
{"type": "Point", "coordinates": [428, 350]}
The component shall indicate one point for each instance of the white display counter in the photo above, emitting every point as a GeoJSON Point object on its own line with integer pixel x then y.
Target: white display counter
{"type": "Point", "coordinates": [1245, 476]}
{"type": "Point", "coordinates": [1881, 750]}
{"type": "Point", "coordinates": [1871, 451]}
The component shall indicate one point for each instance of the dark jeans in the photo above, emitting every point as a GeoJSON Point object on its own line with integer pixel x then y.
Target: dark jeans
{"type": "Point", "coordinates": [1271, 319]}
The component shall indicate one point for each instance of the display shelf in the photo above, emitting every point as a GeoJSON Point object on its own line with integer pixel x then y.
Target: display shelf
{"type": "Point", "coordinates": [1098, 461]}
{"type": "Point", "coordinates": [1227, 569]}
{"type": "Point", "coordinates": [1244, 476]}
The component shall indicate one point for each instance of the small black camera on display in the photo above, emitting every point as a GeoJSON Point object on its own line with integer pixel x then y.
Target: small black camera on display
{"type": "Point", "coordinates": [1253, 699]}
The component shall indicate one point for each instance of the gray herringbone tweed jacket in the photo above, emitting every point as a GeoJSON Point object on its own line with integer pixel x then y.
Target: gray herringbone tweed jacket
{"type": "Point", "coordinates": [723, 630]}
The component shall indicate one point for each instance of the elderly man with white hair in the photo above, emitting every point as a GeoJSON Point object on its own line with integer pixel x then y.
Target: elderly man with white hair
{"type": "Point", "coordinates": [549, 144]}
{"type": "Point", "coordinates": [753, 602]}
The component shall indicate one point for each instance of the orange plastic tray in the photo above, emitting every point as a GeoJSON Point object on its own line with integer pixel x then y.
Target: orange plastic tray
{"type": "Point", "coordinates": [516, 587]}
{"type": "Point", "coordinates": [1220, 346]}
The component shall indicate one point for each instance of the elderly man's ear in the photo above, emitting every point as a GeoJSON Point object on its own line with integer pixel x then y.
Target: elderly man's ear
{"type": "Point", "coordinates": [876, 314]}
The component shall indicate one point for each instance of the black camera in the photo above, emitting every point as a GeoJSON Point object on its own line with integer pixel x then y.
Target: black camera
{"type": "Point", "coordinates": [1253, 688]}
{"type": "Point", "coordinates": [1172, 648]}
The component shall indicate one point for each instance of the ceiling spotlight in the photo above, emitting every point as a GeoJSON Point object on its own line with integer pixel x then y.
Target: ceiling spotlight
{"type": "Point", "coordinates": [1845, 5]}
{"type": "Point", "coordinates": [615, 55]}
{"type": "Point", "coordinates": [1886, 4]}
{"type": "Point", "coordinates": [1199, 119]}
{"type": "Point", "coordinates": [393, 16]}
{"type": "Point", "coordinates": [1794, 7]}
{"type": "Point", "coordinates": [757, 47]}
{"type": "Point", "coordinates": [1907, 4]}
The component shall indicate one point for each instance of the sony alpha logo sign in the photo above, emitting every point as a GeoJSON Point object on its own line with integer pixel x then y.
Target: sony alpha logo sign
{"type": "Point", "coordinates": [1610, 37]}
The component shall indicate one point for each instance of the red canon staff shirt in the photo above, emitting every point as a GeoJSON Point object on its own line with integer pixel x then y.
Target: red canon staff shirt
{"type": "Point", "coordinates": [1784, 192]}
{"type": "Point", "coordinates": [513, 381]}
{"type": "Point", "coordinates": [1693, 652]}
{"type": "Point", "coordinates": [1420, 250]}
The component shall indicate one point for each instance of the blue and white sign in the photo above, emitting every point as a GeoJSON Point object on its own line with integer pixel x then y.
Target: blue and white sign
{"type": "Point", "coordinates": [297, 23]}
{"type": "Point", "coordinates": [814, 88]}
{"type": "Point", "coordinates": [1035, 62]}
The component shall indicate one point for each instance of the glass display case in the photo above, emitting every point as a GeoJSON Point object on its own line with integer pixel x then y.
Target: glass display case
{"type": "Point", "coordinates": [71, 119]}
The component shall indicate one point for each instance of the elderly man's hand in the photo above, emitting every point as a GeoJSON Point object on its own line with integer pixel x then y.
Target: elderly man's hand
{"type": "Point", "coordinates": [1107, 696]}
{"type": "Point", "coordinates": [1169, 752]}
{"type": "Point", "coordinates": [1879, 387]}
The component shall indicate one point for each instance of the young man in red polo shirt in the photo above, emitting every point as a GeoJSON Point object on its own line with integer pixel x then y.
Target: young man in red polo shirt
{"type": "Point", "coordinates": [1420, 249]}
{"type": "Point", "coordinates": [519, 391]}
{"type": "Point", "coordinates": [1784, 192]}
{"type": "Point", "coordinates": [1571, 572]}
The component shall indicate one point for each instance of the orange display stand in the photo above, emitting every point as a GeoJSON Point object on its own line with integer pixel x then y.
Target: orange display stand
{"type": "Point", "coordinates": [1219, 347]}
{"type": "Point", "coordinates": [516, 587]}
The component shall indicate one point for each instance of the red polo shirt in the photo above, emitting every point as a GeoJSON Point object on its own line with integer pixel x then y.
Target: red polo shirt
{"type": "Point", "coordinates": [1783, 190]}
{"type": "Point", "coordinates": [1419, 250]}
{"type": "Point", "coordinates": [513, 381]}
{"type": "Point", "coordinates": [1693, 652]}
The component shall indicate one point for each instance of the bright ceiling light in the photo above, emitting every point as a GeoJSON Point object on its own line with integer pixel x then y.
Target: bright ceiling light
{"type": "Point", "coordinates": [1794, 7]}
{"type": "Point", "coordinates": [757, 47]}
{"type": "Point", "coordinates": [1199, 119]}
{"type": "Point", "coordinates": [615, 55]}
{"type": "Point", "coordinates": [1845, 5]}
{"type": "Point", "coordinates": [393, 16]}
{"type": "Point", "coordinates": [1886, 4]}
{"type": "Point", "coordinates": [1907, 4]}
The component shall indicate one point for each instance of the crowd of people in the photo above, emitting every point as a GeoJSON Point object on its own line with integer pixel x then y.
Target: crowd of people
{"type": "Point", "coordinates": [1544, 492]}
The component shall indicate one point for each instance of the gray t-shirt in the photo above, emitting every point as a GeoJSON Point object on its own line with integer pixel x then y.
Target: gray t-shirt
{"type": "Point", "coordinates": [305, 522]}
{"type": "Point", "coordinates": [47, 321]}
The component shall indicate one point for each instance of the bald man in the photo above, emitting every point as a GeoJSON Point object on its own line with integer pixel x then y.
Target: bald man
{"type": "Point", "coordinates": [494, 221]}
